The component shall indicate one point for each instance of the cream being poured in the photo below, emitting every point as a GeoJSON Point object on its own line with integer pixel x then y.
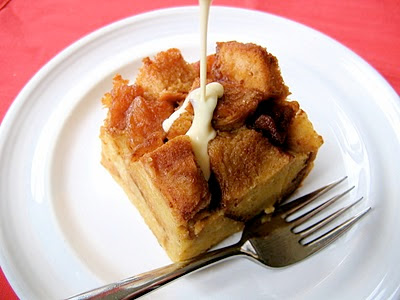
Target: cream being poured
{"type": "Point", "coordinates": [204, 100]}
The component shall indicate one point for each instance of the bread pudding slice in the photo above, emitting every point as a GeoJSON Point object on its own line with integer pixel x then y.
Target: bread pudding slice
{"type": "Point", "coordinates": [265, 146]}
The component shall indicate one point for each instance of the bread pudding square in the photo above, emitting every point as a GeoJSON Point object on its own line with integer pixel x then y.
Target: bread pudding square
{"type": "Point", "coordinates": [264, 147]}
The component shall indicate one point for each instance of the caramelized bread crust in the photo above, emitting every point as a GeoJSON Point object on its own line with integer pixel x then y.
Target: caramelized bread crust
{"type": "Point", "coordinates": [250, 171]}
{"type": "Point", "coordinates": [265, 145]}
{"type": "Point", "coordinates": [250, 65]}
{"type": "Point", "coordinates": [188, 193]}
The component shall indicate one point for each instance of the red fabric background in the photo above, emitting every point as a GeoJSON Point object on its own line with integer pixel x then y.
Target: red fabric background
{"type": "Point", "coordinates": [32, 32]}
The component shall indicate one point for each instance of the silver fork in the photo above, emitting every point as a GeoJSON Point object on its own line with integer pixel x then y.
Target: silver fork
{"type": "Point", "coordinates": [271, 240]}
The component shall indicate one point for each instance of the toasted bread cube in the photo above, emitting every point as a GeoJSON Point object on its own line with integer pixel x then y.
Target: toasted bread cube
{"type": "Point", "coordinates": [176, 174]}
{"type": "Point", "coordinates": [250, 171]}
{"type": "Point", "coordinates": [167, 73]}
{"type": "Point", "coordinates": [301, 135]}
{"type": "Point", "coordinates": [235, 106]}
{"type": "Point", "coordinates": [250, 65]}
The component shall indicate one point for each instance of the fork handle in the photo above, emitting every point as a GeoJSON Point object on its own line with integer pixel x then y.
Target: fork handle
{"type": "Point", "coordinates": [139, 285]}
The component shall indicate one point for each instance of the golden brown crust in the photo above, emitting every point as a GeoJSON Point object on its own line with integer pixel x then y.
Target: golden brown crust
{"type": "Point", "coordinates": [264, 148]}
{"type": "Point", "coordinates": [167, 73]}
{"type": "Point", "coordinates": [182, 125]}
{"type": "Point", "coordinates": [175, 172]}
{"type": "Point", "coordinates": [301, 135]}
{"type": "Point", "coordinates": [244, 161]}
{"type": "Point", "coordinates": [235, 106]}
{"type": "Point", "coordinates": [118, 101]}
{"type": "Point", "coordinates": [250, 65]}
{"type": "Point", "coordinates": [273, 119]}
{"type": "Point", "coordinates": [135, 118]}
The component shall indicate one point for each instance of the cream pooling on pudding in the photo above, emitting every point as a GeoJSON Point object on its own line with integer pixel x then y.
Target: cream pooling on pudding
{"type": "Point", "coordinates": [204, 100]}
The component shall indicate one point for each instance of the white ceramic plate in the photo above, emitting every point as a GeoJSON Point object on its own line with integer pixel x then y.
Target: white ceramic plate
{"type": "Point", "coordinates": [66, 226]}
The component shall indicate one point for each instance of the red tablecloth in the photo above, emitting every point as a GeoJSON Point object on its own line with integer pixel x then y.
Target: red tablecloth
{"type": "Point", "coordinates": [32, 32]}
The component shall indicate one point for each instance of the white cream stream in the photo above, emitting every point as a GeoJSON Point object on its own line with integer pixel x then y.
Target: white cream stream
{"type": "Point", "coordinates": [204, 100]}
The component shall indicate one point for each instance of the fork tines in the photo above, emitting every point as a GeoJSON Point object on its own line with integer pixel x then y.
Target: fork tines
{"type": "Point", "coordinates": [288, 209]}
